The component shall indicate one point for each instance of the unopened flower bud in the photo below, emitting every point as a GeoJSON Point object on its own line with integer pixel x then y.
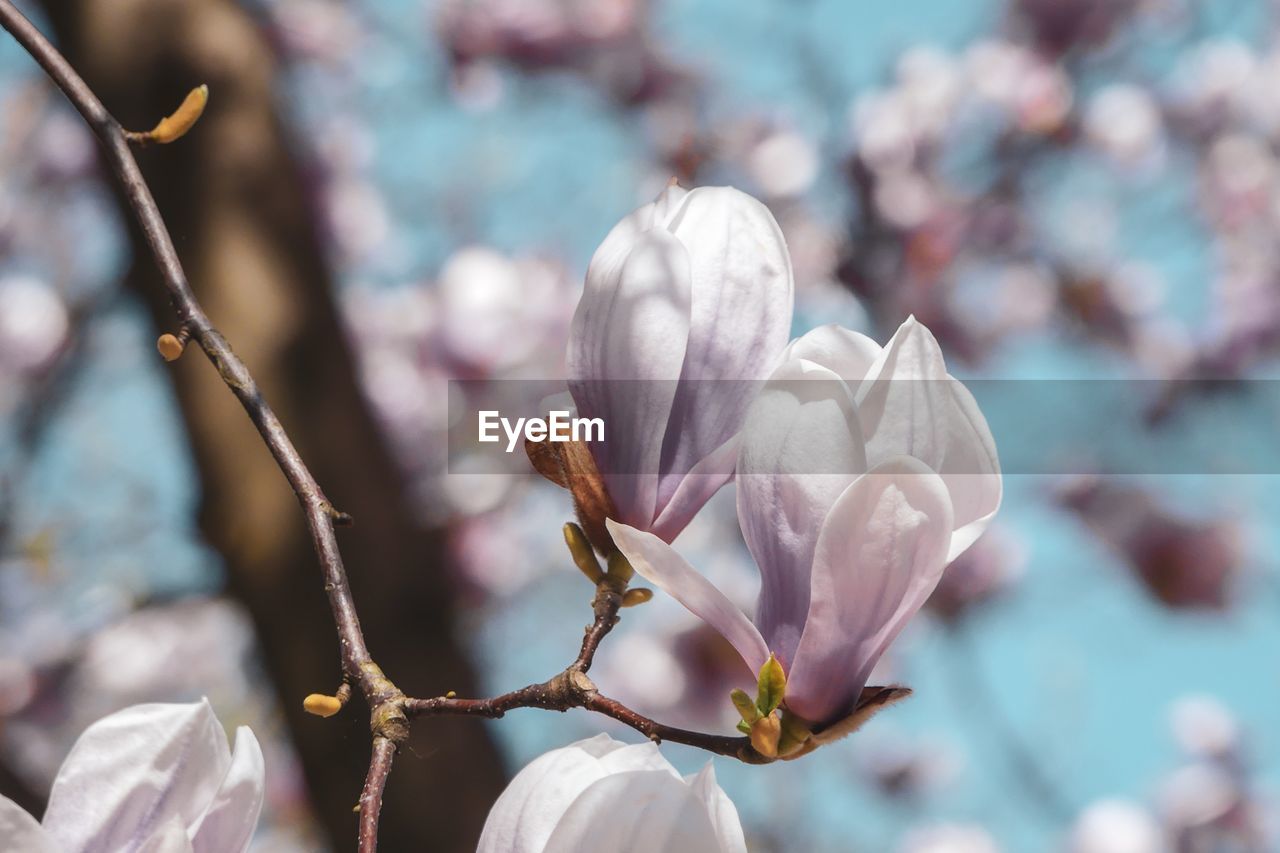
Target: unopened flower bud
{"type": "Point", "coordinates": [639, 595]}
{"type": "Point", "coordinates": [170, 346]}
{"type": "Point", "coordinates": [583, 556]}
{"type": "Point", "coordinates": [321, 704]}
{"type": "Point", "coordinates": [765, 733]}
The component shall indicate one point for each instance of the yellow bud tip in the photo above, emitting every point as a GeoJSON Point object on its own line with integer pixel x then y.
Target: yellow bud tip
{"type": "Point", "coordinates": [451, 694]}
{"type": "Point", "coordinates": [170, 347]}
{"type": "Point", "coordinates": [175, 126]}
{"type": "Point", "coordinates": [639, 595]}
{"type": "Point", "coordinates": [765, 733]}
{"type": "Point", "coordinates": [321, 705]}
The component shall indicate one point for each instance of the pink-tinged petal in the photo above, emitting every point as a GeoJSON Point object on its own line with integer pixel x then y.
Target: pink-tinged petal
{"type": "Point", "coordinates": [844, 352]}
{"type": "Point", "coordinates": [228, 824]}
{"type": "Point", "coordinates": [527, 812]}
{"type": "Point", "coordinates": [20, 832]}
{"type": "Point", "coordinates": [881, 552]}
{"type": "Point", "coordinates": [742, 297]}
{"type": "Point", "coordinates": [659, 563]}
{"type": "Point", "coordinates": [801, 447]}
{"type": "Point", "coordinates": [721, 810]}
{"type": "Point", "coordinates": [626, 347]}
{"type": "Point", "coordinates": [695, 489]}
{"type": "Point", "coordinates": [132, 772]}
{"type": "Point", "coordinates": [636, 812]}
{"type": "Point", "coordinates": [911, 406]}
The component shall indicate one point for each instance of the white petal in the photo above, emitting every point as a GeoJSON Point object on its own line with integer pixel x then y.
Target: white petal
{"type": "Point", "coordinates": [626, 348]}
{"type": "Point", "coordinates": [800, 448]}
{"type": "Point", "coordinates": [135, 770]}
{"type": "Point", "coordinates": [635, 812]}
{"type": "Point", "coordinates": [693, 490]}
{"type": "Point", "coordinates": [723, 814]}
{"type": "Point", "coordinates": [911, 406]}
{"type": "Point", "coordinates": [658, 562]}
{"type": "Point", "coordinates": [20, 832]}
{"type": "Point", "coordinates": [171, 837]}
{"type": "Point", "coordinates": [879, 556]}
{"type": "Point", "coordinates": [228, 824]}
{"type": "Point", "coordinates": [740, 317]}
{"type": "Point", "coordinates": [844, 352]}
{"type": "Point", "coordinates": [526, 814]}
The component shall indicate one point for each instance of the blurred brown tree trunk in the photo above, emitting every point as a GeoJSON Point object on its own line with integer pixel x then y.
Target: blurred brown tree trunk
{"type": "Point", "coordinates": [233, 197]}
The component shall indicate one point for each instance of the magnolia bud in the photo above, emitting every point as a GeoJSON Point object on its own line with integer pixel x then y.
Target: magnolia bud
{"type": "Point", "coordinates": [170, 346]}
{"type": "Point", "coordinates": [321, 704]}
{"type": "Point", "coordinates": [639, 595]}
{"type": "Point", "coordinates": [174, 126]}
{"type": "Point", "coordinates": [765, 733]}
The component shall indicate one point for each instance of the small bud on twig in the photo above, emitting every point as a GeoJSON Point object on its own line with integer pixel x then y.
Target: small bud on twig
{"type": "Point", "coordinates": [170, 346]}
{"type": "Point", "coordinates": [639, 595]}
{"type": "Point", "coordinates": [619, 569]}
{"type": "Point", "coordinates": [765, 733]}
{"type": "Point", "coordinates": [583, 556]}
{"type": "Point", "coordinates": [175, 125]}
{"type": "Point", "coordinates": [321, 704]}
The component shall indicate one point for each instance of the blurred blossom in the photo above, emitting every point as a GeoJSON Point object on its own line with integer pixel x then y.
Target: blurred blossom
{"type": "Point", "coordinates": [317, 29]}
{"type": "Point", "coordinates": [493, 312]}
{"type": "Point", "coordinates": [33, 323]}
{"type": "Point", "coordinates": [930, 83]}
{"type": "Point", "coordinates": [1123, 121]}
{"type": "Point", "coordinates": [949, 838]}
{"type": "Point", "coordinates": [994, 69]}
{"type": "Point", "coordinates": [1117, 826]}
{"type": "Point", "coordinates": [1183, 563]}
{"type": "Point", "coordinates": [605, 40]}
{"type": "Point", "coordinates": [1239, 180]}
{"type": "Point", "coordinates": [358, 217]}
{"type": "Point", "coordinates": [910, 767]}
{"type": "Point", "coordinates": [784, 164]}
{"type": "Point", "coordinates": [649, 670]}
{"type": "Point", "coordinates": [1204, 727]}
{"type": "Point", "coordinates": [65, 146]}
{"type": "Point", "coordinates": [993, 564]}
{"type": "Point", "coordinates": [905, 199]}
{"type": "Point", "coordinates": [1043, 99]}
{"type": "Point", "coordinates": [884, 131]}
{"type": "Point", "coordinates": [1211, 79]}
{"type": "Point", "coordinates": [1196, 795]}
{"type": "Point", "coordinates": [17, 685]}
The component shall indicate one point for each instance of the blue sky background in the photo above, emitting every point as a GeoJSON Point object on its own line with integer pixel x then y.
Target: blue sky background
{"type": "Point", "coordinates": [1079, 660]}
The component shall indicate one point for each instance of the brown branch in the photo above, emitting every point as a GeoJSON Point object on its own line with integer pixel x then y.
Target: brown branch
{"type": "Point", "coordinates": [390, 709]}
{"type": "Point", "coordinates": [572, 688]}
{"type": "Point", "coordinates": [384, 750]}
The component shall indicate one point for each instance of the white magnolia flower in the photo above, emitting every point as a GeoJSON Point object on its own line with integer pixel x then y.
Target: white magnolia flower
{"type": "Point", "coordinates": [148, 779]}
{"type": "Point", "coordinates": [601, 795]}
